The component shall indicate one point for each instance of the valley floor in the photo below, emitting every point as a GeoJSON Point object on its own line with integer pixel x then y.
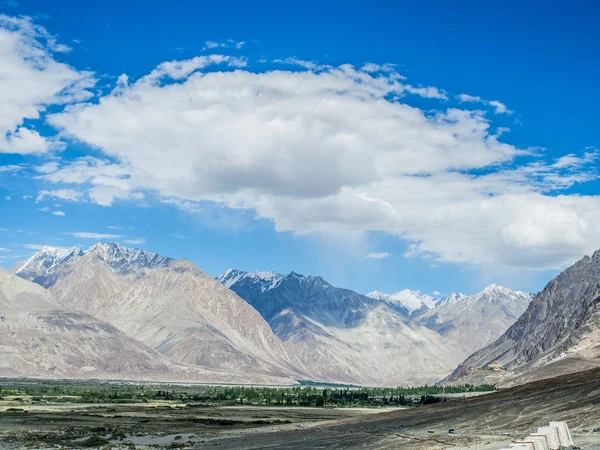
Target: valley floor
{"type": "Point", "coordinates": [152, 425]}
{"type": "Point", "coordinates": [487, 421]}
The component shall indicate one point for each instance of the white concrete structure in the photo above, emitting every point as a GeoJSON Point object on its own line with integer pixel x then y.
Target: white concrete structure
{"type": "Point", "coordinates": [523, 445]}
{"type": "Point", "coordinates": [551, 434]}
{"type": "Point", "coordinates": [542, 435]}
{"type": "Point", "coordinates": [564, 434]}
{"type": "Point", "coordinates": [539, 442]}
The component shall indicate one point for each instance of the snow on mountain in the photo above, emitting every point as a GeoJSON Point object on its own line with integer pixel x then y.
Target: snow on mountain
{"type": "Point", "coordinates": [414, 301]}
{"type": "Point", "coordinates": [453, 297]}
{"type": "Point", "coordinates": [50, 264]}
{"type": "Point", "coordinates": [264, 280]}
{"type": "Point", "coordinates": [124, 260]}
{"type": "Point", "coordinates": [44, 263]}
{"type": "Point", "coordinates": [477, 320]}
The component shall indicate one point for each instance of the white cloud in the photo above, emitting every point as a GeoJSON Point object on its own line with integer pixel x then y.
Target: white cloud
{"type": "Point", "coordinates": [64, 194]}
{"type": "Point", "coordinates": [380, 255]}
{"type": "Point", "coordinates": [26, 197]}
{"type": "Point", "coordinates": [58, 213]}
{"type": "Point", "coordinates": [469, 98]}
{"type": "Point", "coordinates": [500, 107]}
{"type": "Point", "coordinates": [179, 236]}
{"type": "Point", "coordinates": [136, 241]}
{"type": "Point", "coordinates": [30, 80]}
{"type": "Point", "coordinates": [230, 43]}
{"type": "Point", "coordinates": [44, 209]}
{"type": "Point", "coordinates": [87, 235]}
{"type": "Point", "coordinates": [437, 293]}
{"type": "Point", "coordinates": [333, 149]}
{"type": "Point", "coordinates": [10, 168]}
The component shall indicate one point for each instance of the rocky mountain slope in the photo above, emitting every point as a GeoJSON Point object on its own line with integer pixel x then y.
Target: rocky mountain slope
{"type": "Point", "coordinates": [171, 306]}
{"type": "Point", "coordinates": [477, 320]}
{"type": "Point", "coordinates": [341, 336]}
{"type": "Point", "coordinates": [40, 339]}
{"type": "Point", "coordinates": [558, 333]}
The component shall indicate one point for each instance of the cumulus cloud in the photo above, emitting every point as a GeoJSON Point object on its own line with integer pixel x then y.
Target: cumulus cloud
{"type": "Point", "coordinates": [381, 255]}
{"type": "Point", "coordinates": [333, 149]}
{"type": "Point", "coordinates": [106, 181]}
{"type": "Point", "coordinates": [30, 80]}
{"type": "Point", "coordinates": [58, 213]}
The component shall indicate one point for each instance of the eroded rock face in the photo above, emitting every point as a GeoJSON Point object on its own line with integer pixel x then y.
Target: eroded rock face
{"type": "Point", "coordinates": [560, 325]}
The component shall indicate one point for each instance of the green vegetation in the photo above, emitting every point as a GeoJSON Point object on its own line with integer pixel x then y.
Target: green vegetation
{"type": "Point", "coordinates": [340, 396]}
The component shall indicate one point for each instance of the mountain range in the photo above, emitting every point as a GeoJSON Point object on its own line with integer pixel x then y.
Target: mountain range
{"type": "Point", "coordinates": [342, 336]}
{"type": "Point", "coordinates": [40, 338]}
{"type": "Point", "coordinates": [169, 305]}
{"type": "Point", "coordinates": [330, 328]}
{"type": "Point", "coordinates": [275, 328]}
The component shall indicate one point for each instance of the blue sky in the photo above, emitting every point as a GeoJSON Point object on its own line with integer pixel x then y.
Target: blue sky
{"type": "Point", "coordinates": [374, 177]}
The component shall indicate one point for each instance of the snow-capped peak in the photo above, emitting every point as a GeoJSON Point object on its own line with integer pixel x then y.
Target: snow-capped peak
{"type": "Point", "coordinates": [410, 299]}
{"type": "Point", "coordinates": [496, 293]}
{"type": "Point", "coordinates": [47, 259]}
{"type": "Point", "coordinates": [266, 280]}
{"type": "Point", "coordinates": [230, 277]}
{"type": "Point", "coordinates": [377, 295]}
{"type": "Point", "coordinates": [453, 297]}
{"type": "Point", "coordinates": [123, 258]}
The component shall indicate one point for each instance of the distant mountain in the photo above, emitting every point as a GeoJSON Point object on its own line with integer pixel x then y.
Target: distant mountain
{"type": "Point", "coordinates": [340, 336]}
{"type": "Point", "coordinates": [50, 264]}
{"type": "Point", "coordinates": [171, 306]}
{"type": "Point", "coordinates": [453, 297]}
{"type": "Point", "coordinates": [414, 302]}
{"type": "Point", "coordinates": [260, 281]}
{"type": "Point", "coordinates": [558, 333]}
{"type": "Point", "coordinates": [42, 267]}
{"type": "Point", "coordinates": [40, 339]}
{"type": "Point", "coordinates": [477, 320]}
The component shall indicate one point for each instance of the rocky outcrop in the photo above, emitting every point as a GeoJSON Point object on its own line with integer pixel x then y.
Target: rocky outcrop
{"type": "Point", "coordinates": [559, 329]}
